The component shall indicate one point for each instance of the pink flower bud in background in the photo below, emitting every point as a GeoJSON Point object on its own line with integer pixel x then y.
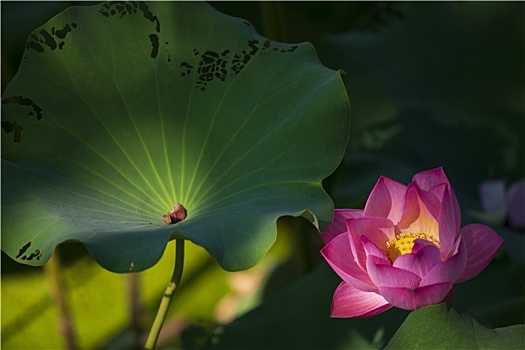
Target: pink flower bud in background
{"type": "Point", "coordinates": [502, 204]}
{"type": "Point", "coordinates": [516, 205]}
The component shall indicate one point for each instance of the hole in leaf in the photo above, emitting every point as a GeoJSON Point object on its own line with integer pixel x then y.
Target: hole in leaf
{"type": "Point", "coordinates": [124, 9]}
{"type": "Point", "coordinates": [23, 249]}
{"type": "Point", "coordinates": [24, 101]}
{"type": "Point", "coordinates": [48, 39]}
{"type": "Point", "coordinates": [15, 127]}
{"type": "Point", "coordinates": [23, 256]}
{"type": "Point", "coordinates": [61, 33]}
{"type": "Point", "coordinates": [52, 39]}
{"type": "Point", "coordinates": [154, 45]}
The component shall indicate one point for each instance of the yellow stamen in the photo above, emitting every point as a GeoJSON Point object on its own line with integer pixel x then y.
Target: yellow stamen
{"type": "Point", "coordinates": [403, 244]}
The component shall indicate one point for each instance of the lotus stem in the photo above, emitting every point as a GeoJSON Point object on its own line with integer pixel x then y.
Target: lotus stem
{"type": "Point", "coordinates": [273, 20]}
{"type": "Point", "coordinates": [168, 295]}
{"type": "Point", "coordinates": [54, 272]}
{"type": "Point", "coordinates": [137, 309]}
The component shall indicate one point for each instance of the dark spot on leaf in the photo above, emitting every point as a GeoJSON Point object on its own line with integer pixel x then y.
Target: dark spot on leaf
{"type": "Point", "coordinates": [214, 65]}
{"type": "Point", "coordinates": [36, 254]}
{"type": "Point", "coordinates": [61, 34]}
{"type": "Point", "coordinates": [48, 39]}
{"type": "Point", "coordinates": [154, 45]}
{"type": "Point", "coordinates": [23, 256]}
{"type": "Point", "coordinates": [149, 15]}
{"type": "Point", "coordinates": [18, 100]}
{"type": "Point", "coordinates": [52, 40]}
{"type": "Point", "coordinates": [23, 249]}
{"type": "Point", "coordinates": [123, 9]}
{"type": "Point", "coordinates": [254, 45]}
{"type": "Point", "coordinates": [15, 128]}
{"type": "Point", "coordinates": [188, 68]}
{"type": "Point", "coordinates": [38, 111]}
{"type": "Point", "coordinates": [35, 46]}
{"type": "Point", "coordinates": [24, 101]}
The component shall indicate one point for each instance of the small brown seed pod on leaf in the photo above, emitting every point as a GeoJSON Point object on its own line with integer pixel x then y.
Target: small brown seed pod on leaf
{"type": "Point", "coordinates": [177, 214]}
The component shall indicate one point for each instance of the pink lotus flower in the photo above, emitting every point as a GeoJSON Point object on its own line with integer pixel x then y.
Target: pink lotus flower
{"type": "Point", "coordinates": [405, 249]}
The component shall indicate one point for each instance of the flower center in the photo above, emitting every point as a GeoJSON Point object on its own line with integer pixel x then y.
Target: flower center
{"type": "Point", "coordinates": [403, 244]}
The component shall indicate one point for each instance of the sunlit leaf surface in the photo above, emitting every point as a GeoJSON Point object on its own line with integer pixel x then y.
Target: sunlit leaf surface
{"type": "Point", "coordinates": [119, 111]}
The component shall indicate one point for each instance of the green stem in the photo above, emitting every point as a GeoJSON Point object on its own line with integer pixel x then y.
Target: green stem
{"type": "Point", "coordinates": [53, 270]}
{"type": "Point", "coordinates": [168, 295]}
{"type": "Point", "coordinates": [273, 20]}
{"type": "Point", "coordinates": [137, 309]}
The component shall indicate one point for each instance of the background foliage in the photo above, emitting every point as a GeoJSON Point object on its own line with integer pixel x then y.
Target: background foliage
{"type": "Point", "coordinates": [439, 84]}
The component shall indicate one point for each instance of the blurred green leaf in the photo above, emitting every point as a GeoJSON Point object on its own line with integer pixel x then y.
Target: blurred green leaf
{"type": "Point", "coordinates": [352, 182]}
{"type": "Point", "coordinates": [99, 300]}
{"type": "Point", "coordinates": [119, 111]}
{"type": "Point", "coordinates": [441, 86]}
{"type": "Point", "coordinates": [468, 153]}
{"type": "Point", "coordinates": [514, 243]}
{"type": "Point", "coordinates": [452, 58]}
{"type": "Point", "coordinates": [496, 297]}
{"type": "Point", "coordinates": [298, 317]}
{"type": "Point", "coordinates": [442, 327]}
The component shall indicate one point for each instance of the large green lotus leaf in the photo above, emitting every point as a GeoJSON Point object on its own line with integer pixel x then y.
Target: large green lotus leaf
{"type": "Point", "coordinates": [121, 110]}
{"type": "Point", "coordinates": [442, 327]}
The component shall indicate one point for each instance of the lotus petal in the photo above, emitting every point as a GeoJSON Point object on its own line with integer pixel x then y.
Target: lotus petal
{"type": "Point", "coordinates": [482, 243]}
{"type": "Point", "coordinates": [449, 270]}
{"type": "Point", "coordinates": [338, 225]}
{"type": "Point", "coordinates": [377, 230]}
{"type": "Point", "coordinates": [351, 302]}
{"type": "Point", "coordinates": [386, 275]}
{"type": "Point", "coordinates": [414, 298]}
{"type": "Point", "coordinates": [430, 178]}
{"type": "Point", "coordinates": [422, 259]}
{"type": "Point", "coordinates": [338, 254]}
{"type": "Point", "coordinates": [417, 218]}
{"type": "Point", "coordinates": [449, 222]}
{"type": "Point", "coordinates": [386, 200]}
